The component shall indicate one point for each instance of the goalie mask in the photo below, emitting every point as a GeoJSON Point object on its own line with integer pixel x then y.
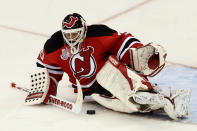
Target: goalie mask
{"type": "Point", "coordinates": [74, 30]}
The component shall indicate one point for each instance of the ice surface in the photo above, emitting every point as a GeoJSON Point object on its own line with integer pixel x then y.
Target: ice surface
{"type": "Point", "coordinates": [171, 23]}
{"type": "Point", "coordinates": [180, 77]}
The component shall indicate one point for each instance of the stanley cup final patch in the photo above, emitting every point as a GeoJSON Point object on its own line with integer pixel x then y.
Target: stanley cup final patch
{"type": "Point", "coordinates": [64, 55]}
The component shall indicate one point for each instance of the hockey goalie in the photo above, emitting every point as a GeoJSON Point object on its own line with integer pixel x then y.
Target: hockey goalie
{"type": "Point", "coordinates": [111, 67]}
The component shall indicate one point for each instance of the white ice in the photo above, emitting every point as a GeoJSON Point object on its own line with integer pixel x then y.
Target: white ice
{"type": "Point", "coordinates": [172, 23]}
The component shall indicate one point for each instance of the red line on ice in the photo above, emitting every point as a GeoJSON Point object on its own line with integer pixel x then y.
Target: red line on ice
{"type": "Point", "coordinates": [24, 31]}
{"type": "Point", "coordinates": [102, 21]}
{"type": "Point", "coordinates": [125, 11]}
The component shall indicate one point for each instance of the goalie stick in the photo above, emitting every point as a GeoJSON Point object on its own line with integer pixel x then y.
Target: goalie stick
{"type": "Point", "coordinates": [58, 102]}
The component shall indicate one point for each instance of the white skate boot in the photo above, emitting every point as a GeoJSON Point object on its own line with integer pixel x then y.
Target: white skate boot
{"type": "Point", "coordinates": [177, 105]}
{"type": "Point", "coordinates": [181, 100]}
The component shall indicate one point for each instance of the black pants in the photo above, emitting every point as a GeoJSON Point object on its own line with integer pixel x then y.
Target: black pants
{"type": "Point", "coordinates": [96, 88]}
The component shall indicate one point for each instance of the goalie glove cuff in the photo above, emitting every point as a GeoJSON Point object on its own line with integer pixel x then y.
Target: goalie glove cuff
{"type": "Point", "coordinates": [52, 89]}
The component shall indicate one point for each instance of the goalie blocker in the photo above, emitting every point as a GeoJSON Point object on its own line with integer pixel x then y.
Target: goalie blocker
{"type": "Point", "coordinates": [132, 92]}
{"type": "Point", "coordinates": [42, 85]}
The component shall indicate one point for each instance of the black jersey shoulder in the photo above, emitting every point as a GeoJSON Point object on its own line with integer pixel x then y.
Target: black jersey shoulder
{"type": "Point", "coordinates": [99, 30]}
{"type": "Point", "coordinates": [54, 43]}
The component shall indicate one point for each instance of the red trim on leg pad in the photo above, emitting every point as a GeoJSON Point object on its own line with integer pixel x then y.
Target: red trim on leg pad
{"type": "Point", "coordinates": [121, 67]}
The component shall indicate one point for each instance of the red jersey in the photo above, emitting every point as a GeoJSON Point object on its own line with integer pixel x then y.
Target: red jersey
{"type": "Point", "coordinates": [100, 42]}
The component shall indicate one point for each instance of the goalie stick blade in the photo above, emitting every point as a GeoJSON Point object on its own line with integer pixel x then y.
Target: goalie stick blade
{"type": "Point", "coordinates": [64, 104]}
{"type": "Point", "coordinates": [74, 107]}
{"type": "Point", "coordinates": [58, 102]}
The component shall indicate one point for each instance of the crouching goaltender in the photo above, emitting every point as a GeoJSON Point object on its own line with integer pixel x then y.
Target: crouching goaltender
{"type": "Point", "coordinates": [111, 67]}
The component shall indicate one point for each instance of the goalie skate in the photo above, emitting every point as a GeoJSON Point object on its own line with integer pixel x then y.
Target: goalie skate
{"type": "Point", "coordinates": [179, 107]}
{"type": "Point", "coordinates": [181, 99]}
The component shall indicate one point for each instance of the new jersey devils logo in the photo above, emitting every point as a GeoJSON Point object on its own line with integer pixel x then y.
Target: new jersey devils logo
{"type": "Point", "coordinates": [71, 23]}
{"type": "Point", "coordinates": [83, 63]}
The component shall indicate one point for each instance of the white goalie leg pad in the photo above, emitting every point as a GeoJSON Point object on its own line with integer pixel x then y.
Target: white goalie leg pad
{"type": "Point", "coordinates": [112, 103]}
{"type": "Point", "coordinates": [178, 109]}
{"type": "Point", "coordinates": [151, 100]}
{"type": "Point", "coordinates": [154, 102]}
{"type": "Point", "coordinates": [148, 98]}
{"type": "Point", "coordinates": [112, 79]}
{"type": "Point", "coordinates": [169, 109]}
{"type": "Point", "coordinates": [149, 59]}
{"type": "Point", "coordinates": [39, 87]}
{"type": "Point", "coordinates": [181, 99]}
{"type": "Point", "coordinates": [163, 90]}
